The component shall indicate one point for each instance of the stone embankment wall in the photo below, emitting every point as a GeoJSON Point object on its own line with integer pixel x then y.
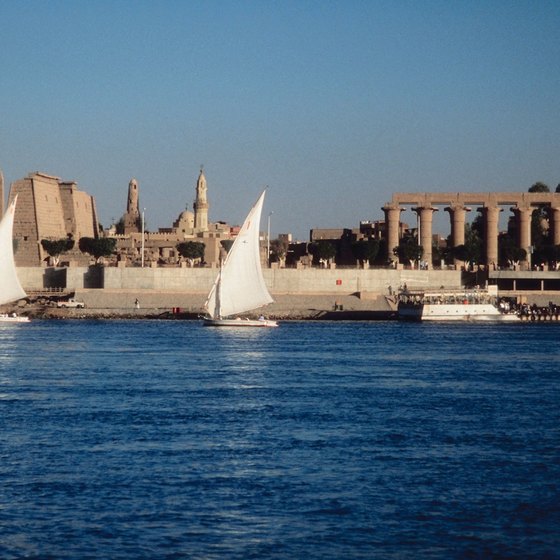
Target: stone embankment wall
{"type": "Point", "coordinates": [200, 280]}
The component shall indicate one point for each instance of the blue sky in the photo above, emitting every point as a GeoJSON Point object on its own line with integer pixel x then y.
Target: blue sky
{"type": "Point", "coordinates": [334, 105]}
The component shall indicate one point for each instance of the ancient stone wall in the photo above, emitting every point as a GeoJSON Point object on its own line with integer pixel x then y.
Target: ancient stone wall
{"type": "Point", "coordinates": [38, 216]}
{"type": "Point", "coordinates": [279, 281]}
{"type": "Point", "coordinates": [78, 209]}
{"type": "Point", "coordinates": [48, 208]}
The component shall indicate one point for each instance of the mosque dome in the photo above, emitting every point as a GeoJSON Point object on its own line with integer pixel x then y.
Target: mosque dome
{"type": "Point", "coordinates": [185, 220]}
{"type": "Point", "coordinates": [186, 215]}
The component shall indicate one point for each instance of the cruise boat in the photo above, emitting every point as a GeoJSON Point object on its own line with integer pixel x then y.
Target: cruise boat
{"type": "Point", "coordinates": [454, 305]}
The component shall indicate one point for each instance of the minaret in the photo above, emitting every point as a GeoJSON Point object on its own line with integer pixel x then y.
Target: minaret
{"type": "Point", "coordinates": [132, 204]}
{"type": "Point", "coordinates": [132, 216]}
{"type": "Point", "coordinates": [201, 204]}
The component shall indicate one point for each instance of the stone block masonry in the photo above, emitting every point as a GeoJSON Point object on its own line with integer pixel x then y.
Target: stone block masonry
{"type": "Point", "coordinates": [200, 280]}
{"type": "Point", "coordinates": [49, 208]}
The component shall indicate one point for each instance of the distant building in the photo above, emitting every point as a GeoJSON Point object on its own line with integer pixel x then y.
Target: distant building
{"type": "Point", "coordinates": [131, 220]}
{"type": "Point", "coordinates": [49, 208]}
{"type": "Point", "coordinates": [378, 229]}
{"type": "Point", "coordinates": [285, 237]}
{"type": "Point", "coordinates": [317, 234]}
{"type": "Point", "coordinates": [201, 204]}
{"type": "Point", "coordinates": [160, 248]}
{"type": "Point", "coordinates": [53, 209]}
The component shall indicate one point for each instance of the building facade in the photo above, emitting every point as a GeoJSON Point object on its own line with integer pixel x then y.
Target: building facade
{"type": "Point", "coordinates": [160, 247]}
{"type": "Point", "coordinates": [49, 208]}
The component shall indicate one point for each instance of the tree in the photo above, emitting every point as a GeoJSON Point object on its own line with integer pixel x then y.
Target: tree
{"type": "Point", "coordinates": [476, 229]}
{"type": "Point", "coordinates": [439, 254]}
{"type": "Point", "coordinates": [460, 253]}
{"type": "Point", "coordinates": [97, 248]}
{"type": "Point", "coordinates": [471, 251]}
{"type": "Point", "coordinates": [278, 250]}
{"type": "Point", "coordinates": [509, 253]}
{"type": "Point", "coordinates": [539, 234]}
{"type": "Point", "coordinates": [191, 250]}
{"type": "Point", "coordinates": [56, 247]}
{"type": "Point", "coordinates": [322, 251]}
{"type": "Point", "coordinates": [539, 226]}
{"type": "Point", "coordinates": [119, 226]}
{"type": "Point", "coordinates": [539, 187]}
{"type": "Point", "coordinates": [365, 250]}
{"type": "Point", "coordinates": [553, 255]}
{"type": "Point", "coordinates": [409, 250]}
{"type": "Point", "coordinates": [226, 244]}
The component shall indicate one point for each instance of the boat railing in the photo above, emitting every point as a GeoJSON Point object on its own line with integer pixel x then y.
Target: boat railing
{"type": "Point", "coordinates": [445, 297]}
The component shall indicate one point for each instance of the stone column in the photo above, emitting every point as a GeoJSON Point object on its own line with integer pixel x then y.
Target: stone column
{"type": "Point", "coordinates": [491, 229]}
{"type": "Point", "coordinates": [523, 217]}
{"type": "Point", "coordinates": [425, 231]}
{"type": "Point", "coordinates": [555, 224]}
{"type": "Point", "coordinates": [392, 221]}
{"type": "Point", "coordinates": [457, 215]}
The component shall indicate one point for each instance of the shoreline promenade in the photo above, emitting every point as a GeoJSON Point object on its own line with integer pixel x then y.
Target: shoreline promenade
{"type": "Point", "coordinates": [168, 305]}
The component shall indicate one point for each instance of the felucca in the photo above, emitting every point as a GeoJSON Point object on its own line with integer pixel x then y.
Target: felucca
{"type": "Point", "coordinates": [11, 289]}
{"type": "Point", "coordinates": [240, 286]}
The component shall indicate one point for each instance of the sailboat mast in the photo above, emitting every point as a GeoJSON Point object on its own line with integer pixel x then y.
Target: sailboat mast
{"type": "Point", "coordinates": [217, 311]}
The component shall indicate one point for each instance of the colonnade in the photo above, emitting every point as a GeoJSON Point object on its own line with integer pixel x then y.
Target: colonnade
{"type": "Point", "coordinates": [458, 204]}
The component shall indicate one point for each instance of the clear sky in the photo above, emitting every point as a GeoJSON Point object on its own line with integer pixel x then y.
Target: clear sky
{"type": "Point", "coordinates": [334, 105]}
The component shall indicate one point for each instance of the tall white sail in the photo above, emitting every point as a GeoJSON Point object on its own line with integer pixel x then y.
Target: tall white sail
{"type": "Point", "coordinates": [240, 285]}
{"type": "Point", "coordinates": [10, 288]}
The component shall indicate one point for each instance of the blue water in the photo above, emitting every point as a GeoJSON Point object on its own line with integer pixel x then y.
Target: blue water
{"type": "Point", "coordinates": [314, 440]}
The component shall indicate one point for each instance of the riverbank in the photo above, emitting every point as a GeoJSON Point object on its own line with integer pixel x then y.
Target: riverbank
{"type": "Point", "coordinates": [168, 305]}
{"type": "Point", "coordinates": [108, 304]}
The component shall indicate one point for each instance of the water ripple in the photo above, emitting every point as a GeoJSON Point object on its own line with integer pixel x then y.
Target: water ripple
{"type": "Point", "coordinates": [316, 440]}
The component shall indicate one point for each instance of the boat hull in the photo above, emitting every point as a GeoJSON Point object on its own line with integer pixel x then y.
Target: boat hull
{"type": "Point", "coordinates": [12, 319]}
{"type": "Point", "coordinates": [458, 312]}
{"type": "Point", "coordinates": [261, 323]}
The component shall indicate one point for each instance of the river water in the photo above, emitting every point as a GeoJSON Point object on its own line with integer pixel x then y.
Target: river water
{"type": "Point", "coordinates": [316, 440]}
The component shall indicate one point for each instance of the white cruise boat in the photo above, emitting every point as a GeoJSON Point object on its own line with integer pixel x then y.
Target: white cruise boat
{"type": "Point", "coordinates": [454, 305]}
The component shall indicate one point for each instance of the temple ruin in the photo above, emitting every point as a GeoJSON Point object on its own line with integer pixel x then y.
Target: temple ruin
{"type": "Point", "coordinates": [49, 208]}
{"type": "Point", "coordinates": [522, 204]}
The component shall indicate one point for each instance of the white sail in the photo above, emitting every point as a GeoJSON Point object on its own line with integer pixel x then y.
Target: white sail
{"type": "Point", "coordinates": [10, 288]}
{"type": "Point", "coordinates": [240, 285]}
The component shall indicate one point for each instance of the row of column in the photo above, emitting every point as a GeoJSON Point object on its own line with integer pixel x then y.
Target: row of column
{"type": "Point", "coordinates": [457, 213]}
